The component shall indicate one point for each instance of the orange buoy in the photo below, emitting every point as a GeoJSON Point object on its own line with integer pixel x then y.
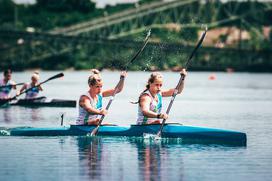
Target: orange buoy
{"type": "Point", "coordinates": [212, 77]}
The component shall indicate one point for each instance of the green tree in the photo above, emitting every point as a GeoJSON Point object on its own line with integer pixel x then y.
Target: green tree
{"type": "Point", "coordinates": [6, 11]}
{"type": "Point", "coordinates": [67, 5]}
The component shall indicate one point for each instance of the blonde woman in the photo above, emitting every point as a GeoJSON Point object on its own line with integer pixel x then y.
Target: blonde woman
{"type": "Point", "coordinates": [90, 103]}
{"type": "Point", "coordinates": [150, 100]}
{"type": "Point", "coordinates": [33, 86]}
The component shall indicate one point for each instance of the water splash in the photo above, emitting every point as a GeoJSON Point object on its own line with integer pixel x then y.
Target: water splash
{"type": "Point", "coordinates": [152, 137]}
{"type": "Point", "coordinates": [4, 133]}
{"type": "Point", "coordinates": [155, 139]}
{"type": "Point", "coordinates": [149, 136]}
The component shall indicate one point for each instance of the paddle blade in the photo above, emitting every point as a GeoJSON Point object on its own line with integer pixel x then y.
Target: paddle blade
{"type": "Point", "coordinates": [94, 132]}
{"type": "Point", "coordinates": [151, 136]}
{"type": "Point", "coordinates": [196, 48]}
{"type": "Point", "coordinates": [140, 50]}
{"type": "Point", "coordinates": [3, 102]}
{"type": "Point", "coordinates": [158, 135]}
{"type": "Point", "coordinates": [56, 76]}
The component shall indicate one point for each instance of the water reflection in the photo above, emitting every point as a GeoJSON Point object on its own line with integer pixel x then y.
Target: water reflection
{"type": "Point", "coordinates": [35, 114]}
{"type": "Point", "coordinates": [151, 156]}
{"type": "Point", "coordinates": [90, 148]}
{"type": "Point", "coordinates": [6, 115]}
{"type": "Point", "coordinates": [103, 158]}
{"type": "Point", "coordinates": [151, 159]}
{"type": "Point", "coordinates": [14, 115]}
{"type": "Point", "coordinates": [154, 159]}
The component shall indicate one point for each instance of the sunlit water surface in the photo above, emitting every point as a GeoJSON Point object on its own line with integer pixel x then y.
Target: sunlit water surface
{"type": "Point", "coordinates": [236, 101]}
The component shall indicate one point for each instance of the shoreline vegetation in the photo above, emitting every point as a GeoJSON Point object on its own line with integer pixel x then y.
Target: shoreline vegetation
{"type": "Point", "coordinates": [228, 47]}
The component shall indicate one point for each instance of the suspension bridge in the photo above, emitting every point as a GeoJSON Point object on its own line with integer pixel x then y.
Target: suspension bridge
{"type": "Point", "coordinates": [110, 30]}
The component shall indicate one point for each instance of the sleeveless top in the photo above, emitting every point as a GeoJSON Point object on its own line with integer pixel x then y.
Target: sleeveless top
{"type": "Point", "coordinates": [5, 91]}
{"type": "Point", "coordinates": [32, 93]}
{"type": "Point", "coordinates": [84, 115]}
{"type": "Point", "coordinates": [154, 106]}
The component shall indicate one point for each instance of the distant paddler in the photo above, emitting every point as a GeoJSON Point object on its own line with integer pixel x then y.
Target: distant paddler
{"type": "Point", "coordinates": [150, 100]}
{"type": "Point", "coordinates": [33, 88]}
{"type": "Point", "coordinates": [90, 103]}
{"type": "Point", "coordinates": [6, 85]}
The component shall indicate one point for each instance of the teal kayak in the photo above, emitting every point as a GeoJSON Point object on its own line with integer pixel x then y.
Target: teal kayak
{"type": "Point", "coordinates": [171, 130]}
{"type": "Point", "coordinates": [39, 102]}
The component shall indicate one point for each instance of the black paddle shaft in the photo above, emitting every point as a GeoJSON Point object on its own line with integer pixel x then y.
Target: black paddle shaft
{"type": "Point", "coordinates": [180, 80]}
{"type": "Point", "coordinates": [51, 78]}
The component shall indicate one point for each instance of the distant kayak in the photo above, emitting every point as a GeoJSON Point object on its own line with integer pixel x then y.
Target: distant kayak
{"type": "Point", "coordinates": [44, 102]}
{"type": "Point", "coordinates": [172, 130]}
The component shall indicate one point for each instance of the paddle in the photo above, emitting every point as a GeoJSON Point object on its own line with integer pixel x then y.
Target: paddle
{"type": "Point", "coordinates": [95, 130]}
{"type": "Point", "coordinates": [181, 79]}
{"type": "Point", "coordinates": [51, 78]}
{"type": "Point", "coordinates": [10, 85]}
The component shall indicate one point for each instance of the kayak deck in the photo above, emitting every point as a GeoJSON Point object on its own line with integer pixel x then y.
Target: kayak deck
{"type": "Point", "coordinates": [51, 103]}
{"type": "Point", "coordinates": [169, 131]}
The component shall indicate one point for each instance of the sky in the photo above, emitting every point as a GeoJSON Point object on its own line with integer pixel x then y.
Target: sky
{"type": "Point", "coordinates": [100, 3]}
{"type": "Point", "coordinates": [24, 1]}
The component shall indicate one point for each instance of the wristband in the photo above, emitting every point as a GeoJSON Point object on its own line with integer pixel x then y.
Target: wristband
{"type": "Point", "coordinates": [183, 76]}
{"type": "Point", "coordinates": [122, 77]}
{"type": "Point", "coordinates": [159, 116]}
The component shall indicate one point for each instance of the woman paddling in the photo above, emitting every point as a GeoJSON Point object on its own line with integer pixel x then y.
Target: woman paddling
{"type": "Point", "coordinates": [90, 103]}
{"type": "Point", "coordinates": [150, 100]}
{"type": "Point", "coordinates": [34, 88]}
{"type": "Point", "coordinates": [6, 85]}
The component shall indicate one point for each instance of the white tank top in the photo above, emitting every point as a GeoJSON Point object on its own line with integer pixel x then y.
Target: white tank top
{"type": "Point", "coordinates": [84, 115]}
{"type": "Point", "coordinates": [5, 91]}
{"type": "Point", "coordinates": [32, 93]}
{"type": "Point", "coordinates": [154, 106]}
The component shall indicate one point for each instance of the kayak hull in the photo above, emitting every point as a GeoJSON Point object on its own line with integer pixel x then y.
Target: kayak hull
{"type": "Point", "coordinates": [51, 103]}
{"type": "Point", "coordinates": [169, 131]}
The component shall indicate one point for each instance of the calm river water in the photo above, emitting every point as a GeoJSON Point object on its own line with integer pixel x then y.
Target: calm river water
{"type": "Point", "coordinates": [236, 101]}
